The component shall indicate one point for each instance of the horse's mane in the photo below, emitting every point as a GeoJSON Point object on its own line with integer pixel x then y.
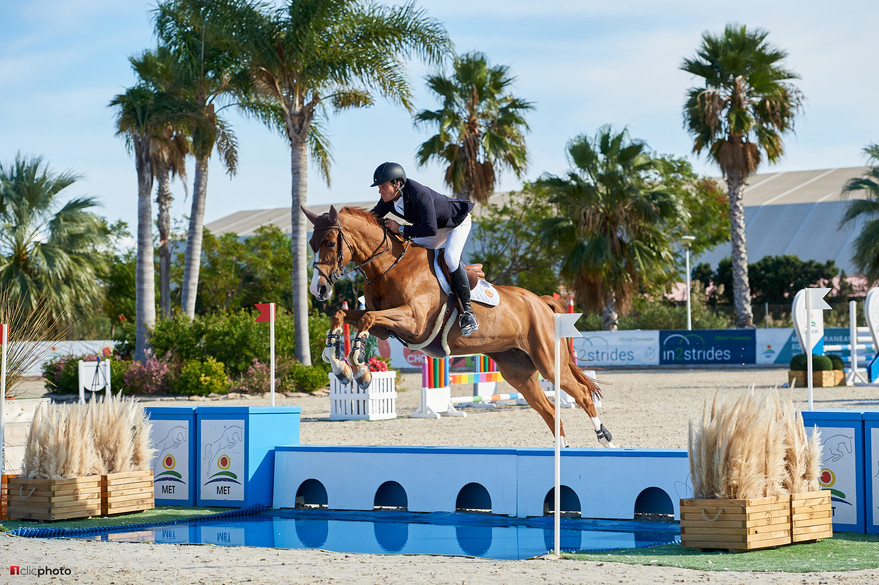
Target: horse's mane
{"type": "Point", "coordinates": [362, 213]}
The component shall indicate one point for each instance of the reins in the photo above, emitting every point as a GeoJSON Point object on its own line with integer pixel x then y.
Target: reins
{"type": "Point", "coordinates": [338, 273]}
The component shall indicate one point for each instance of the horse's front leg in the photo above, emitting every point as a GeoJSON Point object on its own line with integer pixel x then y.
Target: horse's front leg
{"type": "Point", "coordinates": [394, 320]}
{"type": "Point", "coordinates": [334, 353]}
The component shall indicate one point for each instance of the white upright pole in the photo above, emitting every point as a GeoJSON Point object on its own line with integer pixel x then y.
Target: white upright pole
{"type": "Point", "coordinates": [689, 318]}
{"type": "Point", "coordinates": [808, 348]}
{"type": "Point", "coordinates": [558, 441]}
{"type": "Point", "coordinates": [4, 339]}
{"type": "Point", "coordinates": [272, 349]}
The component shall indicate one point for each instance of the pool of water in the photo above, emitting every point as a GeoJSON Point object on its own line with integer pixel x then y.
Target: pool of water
{"type": "Point", "coordinates": [393, 532]}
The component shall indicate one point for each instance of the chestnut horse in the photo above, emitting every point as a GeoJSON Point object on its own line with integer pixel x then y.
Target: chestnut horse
{"type": "Point", "coordinates": [404, 299]}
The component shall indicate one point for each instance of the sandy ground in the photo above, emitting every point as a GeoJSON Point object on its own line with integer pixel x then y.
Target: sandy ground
{"type": "Point", "coordinates": [642, 408]}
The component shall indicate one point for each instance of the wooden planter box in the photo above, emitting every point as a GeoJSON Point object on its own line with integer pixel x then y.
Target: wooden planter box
{"type": "Point", "coordinates": [811, 516]}
{"type": "Point", "coordinates": [4, 495]}
{"type": "Point", "coordinates": [54, 499]}
{"type": "Point", "coordinates": [130, 491]}
{"type": "Point", "coordinates": [824, 378]}
{"type": "Point", "coordinates": [736, 525]}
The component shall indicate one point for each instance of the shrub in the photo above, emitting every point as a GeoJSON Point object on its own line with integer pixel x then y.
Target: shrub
{"type": "Point", "coordinates": [257, 379]}
{"type": "Point", "coordinates": [820, 363]}
{"type": "Point", "coordinates": [151, 378]}
{"type": "Point", "coordinates": [201, 378]}
{"type": "Point", "coordinates": [836, 360]}
{"type": "Point", "coordinates": [296, 377]}
{"type": "Point", "coordinates": [179, 336]}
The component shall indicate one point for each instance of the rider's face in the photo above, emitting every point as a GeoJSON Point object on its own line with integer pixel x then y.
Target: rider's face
{"type": "Point", "coordinates": [387, 192]}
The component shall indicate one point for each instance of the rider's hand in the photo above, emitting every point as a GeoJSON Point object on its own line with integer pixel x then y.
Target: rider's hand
{"type": "Point", "coordinates": [392, 225]}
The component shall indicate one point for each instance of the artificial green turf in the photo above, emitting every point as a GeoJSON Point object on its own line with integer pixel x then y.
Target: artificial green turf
{"type": "Point", "coordinates": [846, 551]}
{"type": "Point", "coordinates": [159, 514]}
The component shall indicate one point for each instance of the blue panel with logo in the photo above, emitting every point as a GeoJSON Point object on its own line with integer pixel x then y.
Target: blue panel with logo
{"type": "Point", "coordinates": [236, 454]}
{"type": "Point", "coordinates": [174, 441]}
{"type": "Point", "coordinates": [842, 464]}
{"type": "Point", "coordinates": [707, 347]}
{"type": "Point", "coordinates": [871, 470]}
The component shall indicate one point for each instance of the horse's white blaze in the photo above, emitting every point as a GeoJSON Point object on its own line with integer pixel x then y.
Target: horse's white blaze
{"type": "Point", "coordinates": [313, 288]}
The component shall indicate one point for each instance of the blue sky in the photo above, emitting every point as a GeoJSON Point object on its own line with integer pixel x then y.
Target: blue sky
{"type": "Point", "coordinates": [582, 63]}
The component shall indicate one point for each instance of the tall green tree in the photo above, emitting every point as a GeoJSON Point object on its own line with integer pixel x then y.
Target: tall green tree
{"type": "Point", "coordinates": [612, 231]}
{"type": "Point", "coordinates": [200, 36]}
{"type": "Point", "coordinates": [866, 252]}
{"type": "Point", "coordinates": [480, 127]}
{"type": "Point", "coordinates": [739, 116]}
{"type": "Point", "coordinates": [169, 149]}
{"type": "Point", "coordinates": [50, 250]}
{"type": "Point", "coordinates": [142, 113]}
{"type": "Point", "coordinates": [312, 55]}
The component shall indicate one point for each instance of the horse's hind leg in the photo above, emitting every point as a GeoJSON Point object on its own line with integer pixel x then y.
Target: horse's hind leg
{"type": "Point", "coordinates": [580, 387]}
{"type": "Point", "coordinates": [517, 368]}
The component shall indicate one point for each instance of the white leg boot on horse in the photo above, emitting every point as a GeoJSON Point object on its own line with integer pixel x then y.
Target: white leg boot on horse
{"type": "Point", "coordinates": [334, 354]}
{"type": "Point", "coordinates": [357, 360]}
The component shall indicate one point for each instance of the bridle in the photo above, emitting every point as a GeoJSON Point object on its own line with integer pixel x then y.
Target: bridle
{"type": "Point", "coordinates": [338, 273]}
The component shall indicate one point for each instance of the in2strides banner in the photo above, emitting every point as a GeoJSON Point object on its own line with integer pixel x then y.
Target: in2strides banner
{"type": "Point", "coordinates": [707, 347]}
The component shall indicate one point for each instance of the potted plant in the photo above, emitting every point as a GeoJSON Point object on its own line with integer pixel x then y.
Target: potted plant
{"type": "Point", "coordinates": [822, 371]}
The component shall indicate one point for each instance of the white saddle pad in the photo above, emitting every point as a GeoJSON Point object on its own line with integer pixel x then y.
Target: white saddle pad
{"type": "Point", "coordinates": [484, 292]}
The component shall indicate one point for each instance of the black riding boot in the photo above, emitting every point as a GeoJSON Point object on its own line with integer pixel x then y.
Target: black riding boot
{"type": "Point", "coordinates": [461, 288]}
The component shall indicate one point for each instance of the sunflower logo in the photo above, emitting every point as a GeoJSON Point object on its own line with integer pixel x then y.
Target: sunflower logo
{"type": "Point", "coordinates": [223, 462]}
{"type": "Point", "coordinates": [168, 462]}
{"type": "Point", "coordinates": [827, 478]}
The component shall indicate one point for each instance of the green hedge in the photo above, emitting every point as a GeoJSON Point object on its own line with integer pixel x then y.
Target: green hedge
{"type": "Point", "coordinates": [820, 363]}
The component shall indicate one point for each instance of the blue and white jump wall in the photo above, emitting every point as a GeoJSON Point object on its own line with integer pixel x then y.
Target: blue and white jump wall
{"type": "Point", "coordinates": [241, 456]}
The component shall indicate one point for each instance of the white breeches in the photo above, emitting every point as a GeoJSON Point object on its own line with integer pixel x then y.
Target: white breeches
{"type": "Point", "coordinates": [454, 238]}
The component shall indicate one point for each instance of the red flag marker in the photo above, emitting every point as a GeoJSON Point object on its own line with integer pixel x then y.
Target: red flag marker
{"type": "Point", "coordinates": [266, 312]}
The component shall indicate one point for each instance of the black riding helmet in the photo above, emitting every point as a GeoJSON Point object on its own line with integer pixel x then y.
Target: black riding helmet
{"type": "Point", "coordinates": [387, 171]}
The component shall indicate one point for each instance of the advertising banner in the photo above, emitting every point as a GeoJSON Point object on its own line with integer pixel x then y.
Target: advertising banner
{"type": "Point", "coordinates": [617, 348]}
{"type": "Point", "coordinates": [708, 347]}
{"type": "Point", "coordinates": [776, 346]}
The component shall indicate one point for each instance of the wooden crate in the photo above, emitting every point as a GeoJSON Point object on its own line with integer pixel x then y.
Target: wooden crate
{"type": "Point", "coordinates": [54, 499]}
{"type": "Point", "coordinates": [4, 495]}
{"type": "Point", "coordinates": [820, 379]}
{"type": "Point", "coordinates": [735, 525]}
{"type": "Point", "coordinates": [130, 491]}
{"type": "Point", "coordinates": [811, 516]}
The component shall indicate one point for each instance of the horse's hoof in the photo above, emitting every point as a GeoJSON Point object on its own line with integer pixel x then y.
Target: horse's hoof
{"type": "Point", "coordinates": [343, 378]}
{"type": "Point", "coordinates": [604, 437]}
{"type": "Point", "coordinates": [363, 377]}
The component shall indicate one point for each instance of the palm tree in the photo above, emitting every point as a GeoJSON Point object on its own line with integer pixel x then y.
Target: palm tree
{"type": "Point", "coordinates": [169, 150]}
{"type": "Point", "coordinates": [866, 245]}
{"type": "Point", "coordinates": [142, 113]}
{"type": "Point", "coordinates": [611, 232]}
{"type": "Point", "coordinates": [50, 253]}
{"type": "Point", "coordinates": [200, 36]}
{"type": "Point", "coordinates": [310, 55]}
{"type": "Point", "coordinates": [740, 116]}
{"type": "Point", "coordinates": [480, 126]}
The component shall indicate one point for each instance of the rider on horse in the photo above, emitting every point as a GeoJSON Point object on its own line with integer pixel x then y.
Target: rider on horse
{"type": "Point", "coordinates": [435, 219]}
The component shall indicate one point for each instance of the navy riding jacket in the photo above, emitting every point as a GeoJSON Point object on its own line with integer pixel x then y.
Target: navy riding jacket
{"type": "Point", "coordinates": [426, 210]}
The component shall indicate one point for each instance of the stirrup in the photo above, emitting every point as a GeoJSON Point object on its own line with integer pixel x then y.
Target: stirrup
{"type": "Point", "coordinates": [468, 323]}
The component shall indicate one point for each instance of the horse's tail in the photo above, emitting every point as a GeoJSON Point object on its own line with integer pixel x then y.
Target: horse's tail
{"type": "Point", "coordinates": [558, 306]}
{"type": "Point", "coordinates": [555, 304]}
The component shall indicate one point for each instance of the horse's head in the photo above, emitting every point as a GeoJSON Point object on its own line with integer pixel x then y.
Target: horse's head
{"type": "Point", "coordinates": [329, 253]}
